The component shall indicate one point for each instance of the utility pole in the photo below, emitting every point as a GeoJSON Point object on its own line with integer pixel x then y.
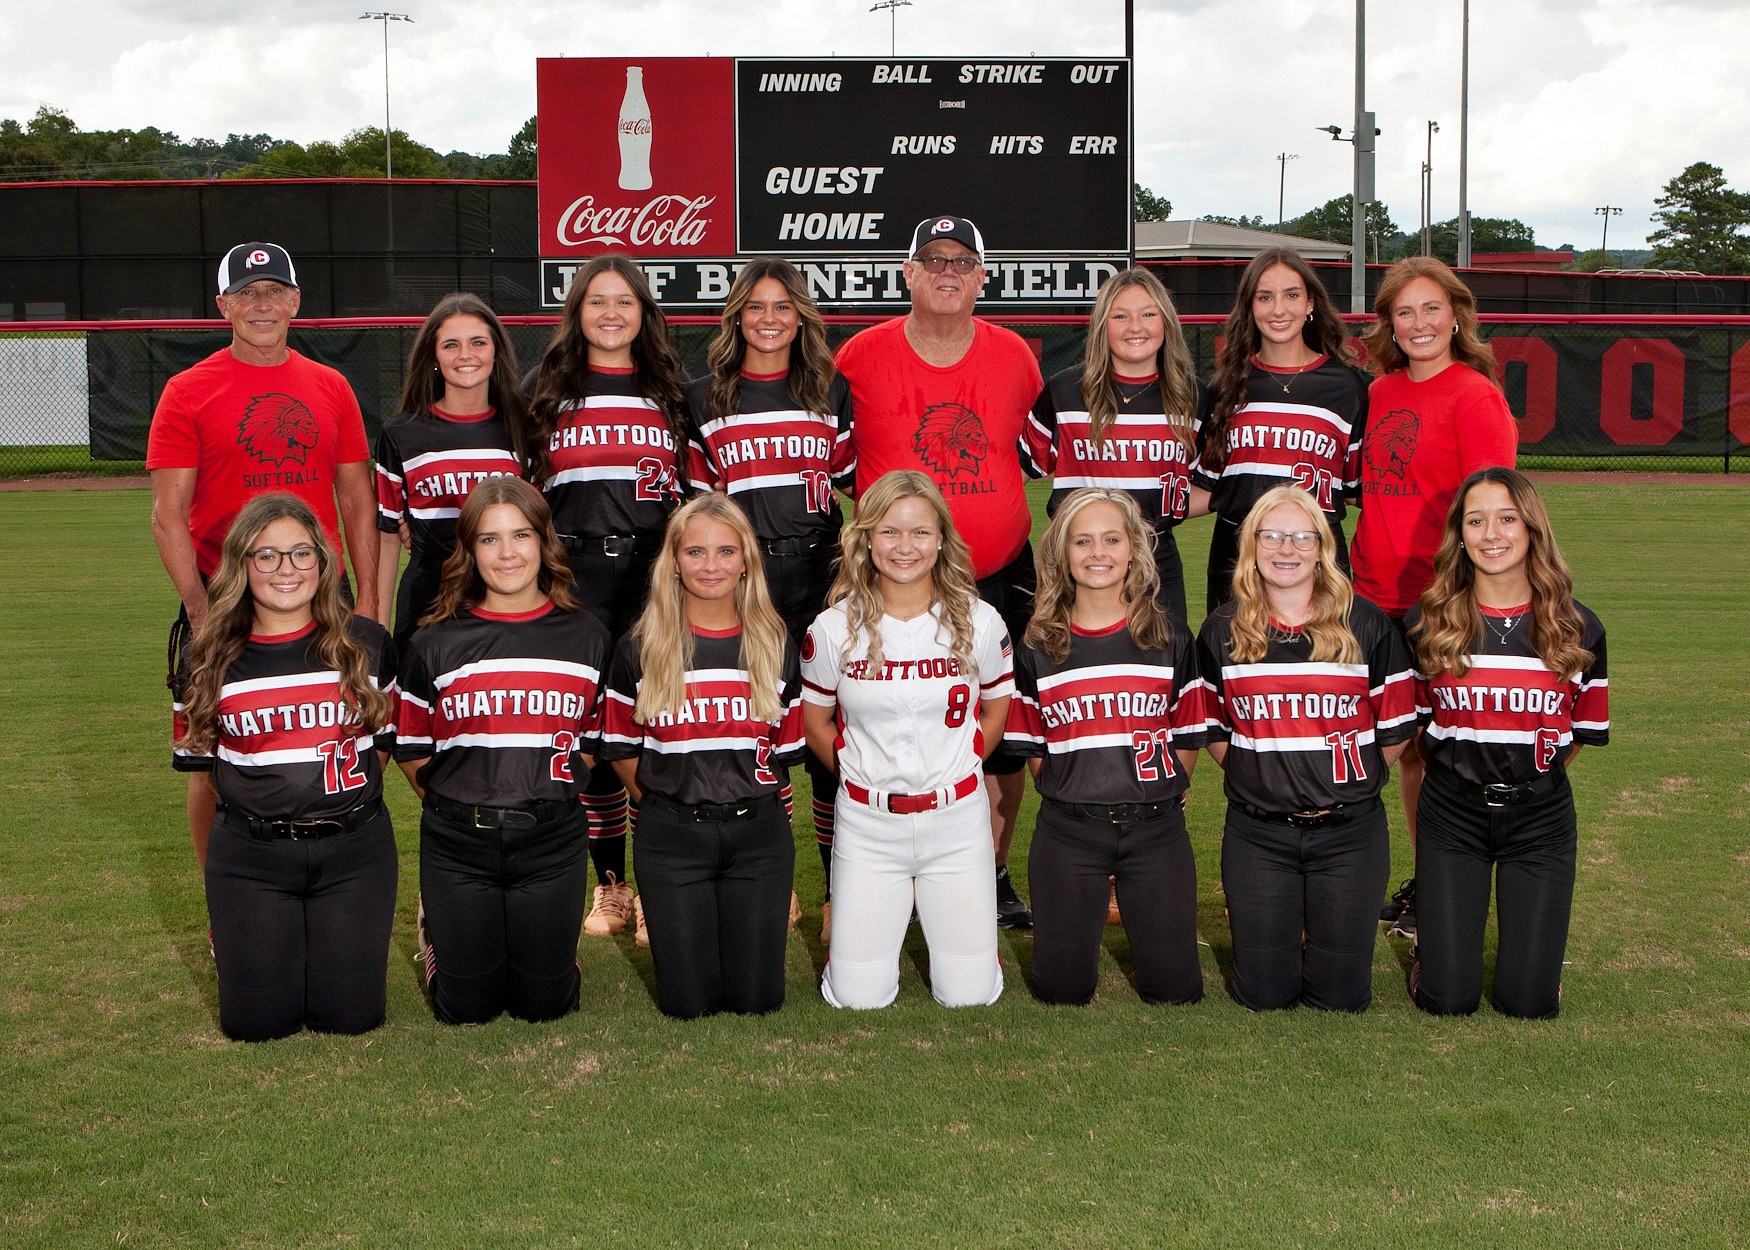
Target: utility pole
{"type": "Point", "coordinates": [1464, 145]}
{"type": "Point", "coordinates": [1363, 194]}
{"type": "Point", "coordinates": [1282, 159]}
{"type": "Point", "coordinates": [1606, 211]}
{"type": "Point", "coordinates": [1428, 192]}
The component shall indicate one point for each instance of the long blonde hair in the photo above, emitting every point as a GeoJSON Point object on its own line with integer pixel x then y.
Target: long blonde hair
{"type": "Point", "coordinates": [460, 585]}
{"type": "Point", "coordinates": [1056, 597]}
{"type": "Point", "coordinates": [1173, 361]}
{"type": "Point", "coordinates": [231, 618]}
{"type": "Point", "coordinates": [857, 587]}
{"type": "Point", "coordinates": [1452, 624]}
{"type": "Point", "coordinates": [666, 644]}
{"type": "Point", "coordinates": [1332, 596]}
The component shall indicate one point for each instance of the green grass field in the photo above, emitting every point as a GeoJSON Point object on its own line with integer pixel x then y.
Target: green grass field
{"type": "Point", "coordinates": [128, 1119]}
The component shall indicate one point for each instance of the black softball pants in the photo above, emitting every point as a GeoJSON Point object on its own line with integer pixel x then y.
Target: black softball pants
{"type": "Point", "coordinates": [717, 897]}
{"type": "Point", "coordinates": [503, 909]}
{"type": "Point", "coordinates": [1070, 866]}
{"type": "Point", "coordinates": [1224, 553]}
{"type": "Point", "coordinates": [1171, 570]}
{"type": "Point", "coordinates": [1303, 906]}
{"type": "Point", "coordinates": [1529, 850]}
{"type": "Point", "coordinates": [1010, 590]}
{"type": "Point", "coordinates": [414, 595]}
{"type": "Point", "coordinates": [798, 585]}
{"type": "Point", "coordinates": [301, 928]}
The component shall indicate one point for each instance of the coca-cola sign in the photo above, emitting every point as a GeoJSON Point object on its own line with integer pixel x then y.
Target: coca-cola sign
{"type": "Point", "coordinates": [636, 155]}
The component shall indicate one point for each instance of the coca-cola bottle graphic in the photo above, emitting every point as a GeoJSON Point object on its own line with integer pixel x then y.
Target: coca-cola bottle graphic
{"type": "Point", "coordinates": [634, 133]}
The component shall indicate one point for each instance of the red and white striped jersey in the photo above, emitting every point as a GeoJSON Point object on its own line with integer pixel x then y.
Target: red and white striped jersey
{"type": "Point", "coordinates": [1293, 429]}
{"type": "Point", "coordinates": [426, 465]}
{"type": "Point", "coordinates": [775, 460]}
{"type": "Point", "coordinates": [1108, 719]}
{"type": "Point", "coordinates": [909, 725]}
{"type": "Point", "coordinates": [613, 462]}
{"type": "Point", "coordinates": [503, 705]}
{"type": "Point", "coordinates": [1304, 735]}
{"type": "Point", "coordinates": [286, 748]}
{"type": "Point", "coordinates": [1510, 718]}
{"type": "Point", "coordinates": [1140, 453]}
{"type": "Point", "coordinates": [712, 749]}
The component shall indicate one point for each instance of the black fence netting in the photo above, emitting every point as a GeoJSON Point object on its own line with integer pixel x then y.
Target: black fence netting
{"type": "Point", "coordinates": [1588, 395]}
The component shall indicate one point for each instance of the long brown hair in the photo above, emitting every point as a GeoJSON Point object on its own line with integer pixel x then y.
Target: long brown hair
{"type": "Point", "coordinates": [1055, 600]}
{"type": "Point", "coordinates": [857, 587]}
{"type": "Point", "coordinates": [561, 376]}
{"type": "Point", "coordinates": [811, 366]}
{"type": "Point", "coordinates": [424, 388]}
{"type": "Point", "coordinates": [1178, 381]}
{"type": "Point", "coordinates": [462, 587]}
{"type": "Point", "coordinates": [665, 643]}
{"type": "Point", "coordinates": [1452, 624]}
{"type": "Point", "coordinates": [1323, 332]}
{"type": "Point", "coordinates": [1332, 597]}
{"type": "Point", "coordinates": [1384, 354]}
{"type": "Point", "coordinates": [231, 618]}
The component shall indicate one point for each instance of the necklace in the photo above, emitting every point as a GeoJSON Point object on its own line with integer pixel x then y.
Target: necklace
{"type": "Point", "coordinates": [1125, 398]}
{"type": "Point", "coordinates": [1276, 375]}
{"type": "Point", "coordinates": [1507, 624]}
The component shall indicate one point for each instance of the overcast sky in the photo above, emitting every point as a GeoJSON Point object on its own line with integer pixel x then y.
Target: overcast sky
{"type": "Point", "coordinates": [1574, 103]}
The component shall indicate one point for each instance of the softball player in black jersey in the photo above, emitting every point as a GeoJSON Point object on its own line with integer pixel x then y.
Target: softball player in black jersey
{"type": "Point", "coordinates": [702, 719]}
{"type": "Point", "coordinates": [1514, 683]}
{"type": "Point", "coordinates": [1108, 708]}
{"type": "Point", "coordinates": [1287, 408]}
{"type": "Point", "coordinates": [500, 697]}
{"type": "Point", "coordinates": [608, 422]}
{"type": "Point", "coordinates": [1311, 698]}
{"type": "Point", "coordinates": [771, 427]}
{"type": "Point", "coordinates": [289, 706]}
{"type": "Point", "coordinates": [461, 419]}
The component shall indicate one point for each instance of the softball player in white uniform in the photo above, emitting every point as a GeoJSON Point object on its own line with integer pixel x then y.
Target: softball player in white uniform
{"type": "Point", "coordinates": [906, 685]}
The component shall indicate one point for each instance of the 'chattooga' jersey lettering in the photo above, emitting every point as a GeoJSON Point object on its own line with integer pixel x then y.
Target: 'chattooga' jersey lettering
{"type": "Point", "coordinates": [710, 749]}
{"type": "Point", "coordinates": [1304, 735]}
{"type": "Point", "coordinates": [1308, 436]}
{"type": "Point", "coordinates": [613, 461]}
{"type": "Point", "coordinates": [1109, 718]}
{"type": "Point", "coordinates": [427, 464]}
{"type": "Point", "coordinates": [1140, 453]}
{"type": "Point", "coordinates": [287, 747]}
{"type": "Point", "coordinates": [503, 706]}
{"type": "Point", "coordinates": [1510, 718]}
{"type": "Point", "coordinates": [778, 462]}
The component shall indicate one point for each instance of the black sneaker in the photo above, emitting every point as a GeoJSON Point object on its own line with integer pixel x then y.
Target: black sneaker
{"type": "Point", "coordinates": [1012, 910]}
{"type": "Point", "coordinates": [1394, 906]}
{"type": "Point", "coordinates": [1405, 925]}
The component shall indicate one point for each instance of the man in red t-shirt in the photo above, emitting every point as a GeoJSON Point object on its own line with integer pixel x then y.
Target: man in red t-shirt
{"type": "Point", "coordinates": [251, 418]}
{"type": "Point", "coordinates": [945, 392]}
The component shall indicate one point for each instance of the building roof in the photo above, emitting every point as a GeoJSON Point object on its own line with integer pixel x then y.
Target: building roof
{"type": "Point", "coordinates": [1212, 240]}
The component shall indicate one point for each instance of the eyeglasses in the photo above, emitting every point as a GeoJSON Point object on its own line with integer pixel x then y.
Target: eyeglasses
{"type": "Point", "coordinates": [269, 559]}
{"type": "Point", "coordinates": [1303, 540]}
{"type": "Point", "coordinates": [962, 265]}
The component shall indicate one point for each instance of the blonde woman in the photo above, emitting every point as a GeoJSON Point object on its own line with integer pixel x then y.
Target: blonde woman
{"type": "Point", "coordinates": [288, 709]}
{"type": "Point", "coordinates": [1514, 683]}
{"type": "Point", "coordinates": [1108, 706]}
{"type": "Point", "coordinates": [907, 678]}
{"type": "Point", "coordinates": [1311, 699]}
{"type": "Point", "coordinates": [702, 721]}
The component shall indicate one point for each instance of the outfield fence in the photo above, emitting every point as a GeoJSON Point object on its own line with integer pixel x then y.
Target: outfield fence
{"type": "Point", "coordinates": [1622, 393]}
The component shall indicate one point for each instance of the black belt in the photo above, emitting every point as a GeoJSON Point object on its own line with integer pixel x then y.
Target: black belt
{"type": "Point", "coordinates": [1497, 793]}
{"type": "Point", "coordinates": [605, 544]}
{"type": "Point", "coordinates": [263, 829]}
{"type": "Point", "coordinates": [1336, 814]}
{"type": "Point", "coordinates": [716, 813]}
{"type": "Point", "coordinates": [540, 812]}
{"type": "Point", "coordinates": [1118, 813]}
{"type": "Point", "coordinates": [792, 546]}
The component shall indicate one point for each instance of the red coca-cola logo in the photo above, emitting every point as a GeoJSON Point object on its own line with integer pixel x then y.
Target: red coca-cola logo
{"type": "Point", "coordinates": [635, 126]}
{"type": "Point", "coordinates": [664, 220]}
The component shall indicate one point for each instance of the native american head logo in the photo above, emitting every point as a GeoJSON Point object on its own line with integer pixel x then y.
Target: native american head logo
{"type": "Point", "coordinates": [951, 438]}
{"type": "Point", "coordinates": [1391, 442]}
{"type": "Point", "coordinates": [277, 428]}
{"type": "Point", "coordinates": [808, 646]}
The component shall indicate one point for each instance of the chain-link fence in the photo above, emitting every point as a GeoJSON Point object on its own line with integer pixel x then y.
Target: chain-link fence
{"type": "Point", "coordinates": [1646, 395]}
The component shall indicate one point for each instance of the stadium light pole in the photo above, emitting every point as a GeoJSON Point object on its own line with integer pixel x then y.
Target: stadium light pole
{"type": "Point", "coordinates": [1364, 134]}
{"type": "Point", "coordinates": [1606, 211]}
{"type": "Point", "coordinates": [388, 149]}
{"type": "Point", "coordinates": [1282, 159]}
{"type": "Point", "coordinates": [892, 7]}
{"type": "Point", "coordinates": [1464, 143]}
{"type": "Point", "coordinates": [1428, 191]}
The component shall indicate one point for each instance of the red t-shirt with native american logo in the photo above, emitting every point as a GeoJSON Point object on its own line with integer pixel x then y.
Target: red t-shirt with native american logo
{"type": "Point", "coordinates": [960, 424]}
{"type": "Point", "coordinates": [248, 429]}
{"type": "Point", "coordinates": [1423, 439]}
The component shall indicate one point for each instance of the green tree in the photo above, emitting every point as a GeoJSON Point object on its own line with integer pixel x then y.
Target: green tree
{"type": "Point", "coordinates": [1245, 223]}
{"type": "Point", "coordinates": [1487, 234]}
{"type": "Point", "coordinates": [1334, 219]}
{"type": "Point", "coordinates": [1701, 223]}
{"type": "Point", "coordinates": [522, 153]}
{"type": "Point", "coordinates": [1149, 206]}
